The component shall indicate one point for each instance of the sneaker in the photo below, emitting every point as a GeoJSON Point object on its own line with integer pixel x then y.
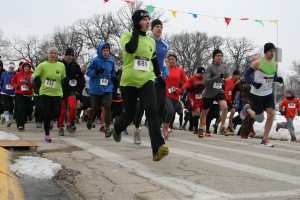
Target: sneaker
{"type": "Point", "coordinates": [215, 129]}
{"type": "Point", "coordinates": [102, 129]}
{"type": "Point", "coordinates": [230, 129]}
{"type": "Point", "coordinates": [93, 125]}
{"type": "Point", "coordinates": [8, 124]}
{"type": "Point", "coordinates": [51, 125]}
{"type": "Point", "coordinates": [170, 130]}
{"type": "Point", "coordinates": [162, 151]}
{"type": "Point", "coordinates": [2, 119]}
{"type": "Point", "coordinates": [196, 131]}
{"type": "Point", "coordinates": [294, 140]}
{"type": "Point", "coordinates": [48, 138]}
{"type": "Point", "coordinates": [38, 125]}
{"type": "Point", "coordinates": [89, 124]}
{"type": "Point", "coordinates": [125, 132]}
{"type": "Point", "coordinates": [191, 129]}
{"type": "Point", "coordinates": [244, 136]}
{"type": "Point", "coordinates": [243, 113]}
{"type": "Point", "coordinates": [116, 137]}
{"type": "Point", "coordinates": [207, 134]}
{"type": "Point", "coordinates": [61, 132]}
{"type": "Point", "coordinates": [266, 143]}
{"type": "Point", "coordinates": [109, 132]}
{"type": "Point", "coordinates": [137, 137]}
{"type": "Point", "coordinates": [180, 128]}
{"type": "Point", "coordinates": [21, 128]}
{"type": "Point", "coordinates": [166, 134]}
{"type": "Point", "coordinates": [70, 129]}
{"type": "Point", "coordinates": [252, 135]}
{"type": "Point", "coordinates": [224, 131]}
{"type": "Point", "coordinates": [200, 133]}
{"type": "Point", "coordinates": [234, 126]}
{"type": "Point", "coordinates": [277, 128]}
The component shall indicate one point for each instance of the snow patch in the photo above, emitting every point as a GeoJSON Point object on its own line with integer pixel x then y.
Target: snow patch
{"type": "Point", "coordinates": [8, 136]}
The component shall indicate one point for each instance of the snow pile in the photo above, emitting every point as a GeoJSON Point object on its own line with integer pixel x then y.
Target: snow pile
{"type": "Point", "coordinates": [8, 136]}
{"type": "Point", "coordinates": [35, 167]}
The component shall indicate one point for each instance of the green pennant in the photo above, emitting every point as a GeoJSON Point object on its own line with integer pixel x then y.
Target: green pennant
{"type": "Point", "coordinates": [150, 9]}
{"type": "Point", "coordinates": [260, 21]}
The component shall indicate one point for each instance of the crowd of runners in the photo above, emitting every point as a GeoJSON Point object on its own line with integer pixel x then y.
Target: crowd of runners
{"type": "Point", "coordinates": [60, 92]}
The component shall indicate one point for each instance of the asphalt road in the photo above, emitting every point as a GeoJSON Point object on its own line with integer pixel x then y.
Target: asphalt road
{"type": "Point", "coordinates": [209, 168]}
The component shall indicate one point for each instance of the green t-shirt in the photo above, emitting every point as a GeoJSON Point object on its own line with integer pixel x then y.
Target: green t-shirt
{"type": "Point", "coordinates": [51, 75]}
{"type": "Point", "coordinates": [137, 67]}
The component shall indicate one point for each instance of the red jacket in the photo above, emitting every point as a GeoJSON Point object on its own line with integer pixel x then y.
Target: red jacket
{"type": "Point", "coordinates": [229, 85]}
{"type": "Point", "coordinates": [196, 84]}
{"type": "Point", "coordinates": [291, 106]}
{"type": "Point", "coordinates": [22, 81]}
{"type": "Point", "coordinates": [176, 75]}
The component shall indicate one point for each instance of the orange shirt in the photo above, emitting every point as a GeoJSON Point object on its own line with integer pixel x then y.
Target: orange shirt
{"type": "Point", "coordinates": [229, 85]}
{"type": "Point", "coordinates": [291, 106]}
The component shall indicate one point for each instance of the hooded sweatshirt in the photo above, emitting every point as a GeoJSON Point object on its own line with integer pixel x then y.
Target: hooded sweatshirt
{"type": "Point", "coordinates": [97, 82]}
{"type": "Point", "coordinates": [22, 81]}
{"type": "Point", "coordinates": [291, 106]}
{"type": "Point", "coordinates": [5, 83]}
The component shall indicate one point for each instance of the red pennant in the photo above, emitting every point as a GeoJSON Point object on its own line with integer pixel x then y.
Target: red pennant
{"type": "Point", "coordinates": [105, 1]}
{"type": "Point", "coordinates": [227, 20]}
{"type": "Point", "coordinates": [244, 19]}
{"type": "Point", "coordinates": [130, 2]}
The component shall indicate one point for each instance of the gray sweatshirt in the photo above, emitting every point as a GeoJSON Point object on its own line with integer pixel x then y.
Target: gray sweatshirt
{"type": "Point", "coordinates": [212, 82]}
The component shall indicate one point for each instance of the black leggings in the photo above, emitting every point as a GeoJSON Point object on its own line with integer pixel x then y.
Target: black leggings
{"type": "Point", "coordinates": [24, 107]}
{"type": "Point", "coordinates": [37, 110]}
{"type": "Point", "coordinates": [8, 103]}
{"type": "Point", "coordinates": [147, 96]}
{"type": "Point", "coordinates": [51, 107]}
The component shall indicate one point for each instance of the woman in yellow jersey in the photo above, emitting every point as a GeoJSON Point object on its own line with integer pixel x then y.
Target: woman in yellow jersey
{"type": "Point", "coordinates": [140, 67]}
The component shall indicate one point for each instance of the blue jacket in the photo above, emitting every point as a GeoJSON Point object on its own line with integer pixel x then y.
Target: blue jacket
{"type": "Point", "coordinates": [6, 79]}
{"type": "Point", "coordinates": [97, 63]}
{"type": "Point", "coordinates": [161, 52]}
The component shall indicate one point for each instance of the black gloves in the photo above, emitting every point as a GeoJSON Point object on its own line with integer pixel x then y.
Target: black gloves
{"type": "Point", "coordinates": [280, 80]}
{"type": "Point", "coordinates": [99, 71]}
{"type": "Point", "coordinates": [161, 82]}
{"type": "Point", "coordinates": [282, 112]}
{"type": "Point", "coordinates": [221, 76]}
{"type": "Point", "coordinates": [257, 85]}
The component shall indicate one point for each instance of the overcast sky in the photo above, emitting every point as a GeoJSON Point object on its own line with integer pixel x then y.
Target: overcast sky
{"type": "Point", "coordinates": [39, 17]}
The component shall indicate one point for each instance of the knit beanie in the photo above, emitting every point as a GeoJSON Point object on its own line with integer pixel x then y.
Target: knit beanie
{"type": "Point", "coordinates": [200, 70]}
{"type": "Point", "coordinates": [268, 47]}
{"type": "Point", "coordinates": [155, 22]}
{"type": "Point", "coordinates": [236, 72]}
{"type": "Point", "coordinates": [216, 51]}
{"type": "Point", "coordinates": [52, 49]}
{"type": "Point", "coordinates": [138, 15]}
{"type": "Point", "coordinates": [69, 52]}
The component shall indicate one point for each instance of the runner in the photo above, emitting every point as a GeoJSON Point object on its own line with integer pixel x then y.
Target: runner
{"type": "Point", "coordinates": [7, 93]}
{"type": "Point", "coordinates": [51, 73]}
{"type": "Point", "coordinates": [72, 86]}
{"type": "Point", "coordinates": [23, 94]}
{"type": "Point", "coordinates": [176, 76]}
{"type": "Point", "coordinates": [102, 72]}
{"type": "Point", "coordinates": [265, 73]}
{"type": "Point", "coordinates": [229, 85]}
{"type": "Point", "coordinates": [1, 103]}
{"type": "Point", "coordinates": [139, 53]}
{"type": "Point", "coordinates": [195, 88]}
{"type": "Point", "coordinates": [213, 82]}
{"type": "Point", "coordinates": [291, 105]}
{"type": "Point", "coordinates": [38, 115]}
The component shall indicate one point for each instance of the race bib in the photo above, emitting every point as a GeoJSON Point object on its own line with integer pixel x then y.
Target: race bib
{"type": "Point", "coordinates": [73, 82]}
{"type": "Point", "coordinates": [103, 81]}
{"type": "Point", "coordinates": [24, 87]}
{"type": "Point", "coordinates": [291, 105]}
{"type": "Point", "coordinates": [50, 83]}
{"type": "Point", "coordinates": [268, 81]}
{"type": "Point", "coordinates": [172, 89]}
{"type": "Point", "coordinates": [230, 92]}
{"type": "Point", "coordinates": [141, 64]}
{"type": "Point", "coordinates": [9, 87]}
{"type": "Point", "coordinates": [198, 96]}
{"type": "Point", "coordinates": [217, 85]}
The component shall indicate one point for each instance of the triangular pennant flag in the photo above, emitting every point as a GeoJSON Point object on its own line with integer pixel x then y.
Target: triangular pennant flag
{"type": "Point", "coordinates": [244, 19]}
{"type": "Point", "coordinates": [260, 21]}
{"type": "Point", "coordinates": [129, 2]}
{"type": "Point", "coordinates": [174, 13]}
{"type": "Point", "coordinates": [105, 1]}
{"type": "Point", "coordinates": [273, 21]}
{"type": "Point", "coordinates": [227, 20]}
{"type": "Point", "coordinates": [194, 15]}
{"type": "Point", "coordinates": [150, 9]}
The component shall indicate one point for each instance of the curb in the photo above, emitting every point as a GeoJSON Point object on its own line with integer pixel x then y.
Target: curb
{"type": "Point", "coordinates": [10, 187]}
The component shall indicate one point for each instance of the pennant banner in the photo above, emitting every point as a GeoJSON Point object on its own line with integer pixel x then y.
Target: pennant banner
{"type": "Point", "coordinates": [174, 13]}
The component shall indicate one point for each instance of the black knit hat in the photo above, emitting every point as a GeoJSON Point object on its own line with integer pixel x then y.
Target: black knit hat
{"type": "Point", "coordinates": [268, 46]}
{"type": "Point", "coordinates": [216, 51]}
{"type": "Point", "coordinates": [173, 55]}
{"type": "Point", "coordinates": [69, 51]}
{"type": "Point", "coordinates": [200, 70]}
{"type": "Point", "coordinates": [1, 63]}
{"type": "Point", "coordinates": [155, 22]}
{"type": "Point", "coordinates": [138, 15]}
{"type": "Point", "coordinates": [236, 72]}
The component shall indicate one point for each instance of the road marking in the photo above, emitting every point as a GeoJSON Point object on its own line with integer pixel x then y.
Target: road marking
{"type": "Point", "coordinates": [187, 188]}
{"type": "Point", "coordinates": [239, 151]}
